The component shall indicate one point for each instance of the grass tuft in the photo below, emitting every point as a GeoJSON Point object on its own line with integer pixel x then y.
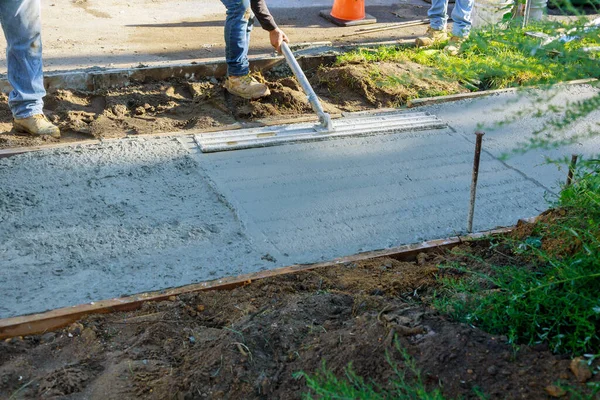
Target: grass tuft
{"type": "Point", "coordinates": [502, 58]}
{"type": "Point", "coordinates": [555, 299]}
{"type": "Point", "coordinates": [325, 385]}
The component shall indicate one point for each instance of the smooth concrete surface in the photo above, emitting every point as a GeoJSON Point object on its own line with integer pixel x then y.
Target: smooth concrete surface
{"type": "Point", "coordinates": [91, 222]}
{"type": "Point", "coordinates": [321, 200]}
{"type": "Point", "coordinates": [509, 120]}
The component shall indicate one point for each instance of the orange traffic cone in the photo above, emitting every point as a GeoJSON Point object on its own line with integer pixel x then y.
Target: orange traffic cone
{"type": "Point", "coordinates": [348, 10]}
{"type": "Point", "coordinates": [348, 13]}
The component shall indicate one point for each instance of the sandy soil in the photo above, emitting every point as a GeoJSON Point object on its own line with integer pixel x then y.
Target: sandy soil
{"type": "Point", "coordinates": [248, 342]}
{"type": "Point", "coordinates": [179, 105]}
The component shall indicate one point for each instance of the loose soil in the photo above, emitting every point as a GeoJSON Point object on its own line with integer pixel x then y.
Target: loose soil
{"type": "Point", "coordinates": [180, 105]}
{"type": "Point", "coordinates": [247, 343]}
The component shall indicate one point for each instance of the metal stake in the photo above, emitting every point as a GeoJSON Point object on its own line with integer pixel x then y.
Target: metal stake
{"type": "Point", "coordinates": [571, 169]}
{"type": "Point", "coordinates": [478, 141]}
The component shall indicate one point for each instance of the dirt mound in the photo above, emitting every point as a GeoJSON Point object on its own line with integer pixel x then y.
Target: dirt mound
{"type": "Point", "coordinates": [382, 84]}
{"type": "Point", "coordinates": [178, 104]}
{"type": "Point", "coordinates": [247, 343]}
{"type": "Point", "coordinates": [155, 107]}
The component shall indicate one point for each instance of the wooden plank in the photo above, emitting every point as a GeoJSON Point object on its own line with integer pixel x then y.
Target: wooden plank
{"type": "Point", "coordinates": [56, 319]}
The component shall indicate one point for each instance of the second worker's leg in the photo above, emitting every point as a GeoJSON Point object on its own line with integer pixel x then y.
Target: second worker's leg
{"type": "Point", "coordinates": [438, 18]}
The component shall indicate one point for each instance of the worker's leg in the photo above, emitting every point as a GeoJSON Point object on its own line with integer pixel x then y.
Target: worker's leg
{"type": "Point", "coordinates": [238, 26]}
{"type": "Point", "coordinates": [22, 29]}
{"type": "Point", "coordinates": [461, 15]}
{"type": "Point", "coordinates": [438, 14]}
{"type": "Point", "coordinates": [438, 17]}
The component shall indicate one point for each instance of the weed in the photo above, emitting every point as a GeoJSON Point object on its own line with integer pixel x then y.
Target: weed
{"type": "Point", "coordinates": [555, 298]}
{"type": "Point", "coordinates": [324, 384]}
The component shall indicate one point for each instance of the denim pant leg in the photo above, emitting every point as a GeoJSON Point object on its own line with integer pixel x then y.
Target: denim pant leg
{"type": "Point", "coordinates": [438, 14]}
{"type": "Point", "coordinates": [238, 26]}
{"type": "Point", "coordinates": [462, 17]}
{"type": "Point", "coordinates": [21, 22]}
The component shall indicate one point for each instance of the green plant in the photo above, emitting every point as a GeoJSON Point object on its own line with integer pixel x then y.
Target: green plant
{"type": "Point", "coordinates": [324, 384]}
{"type": "Point", "coordinates": [495, 58]}
{"type": "Point", "coordinates": [555, 298]}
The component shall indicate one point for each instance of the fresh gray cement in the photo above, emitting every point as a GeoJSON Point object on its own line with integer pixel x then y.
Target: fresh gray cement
{"type": "Point", "coordinates": [88, 223]}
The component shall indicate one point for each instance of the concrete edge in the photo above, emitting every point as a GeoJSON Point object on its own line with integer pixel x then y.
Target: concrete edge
{"type": "Point", "coordinates": [426, 101]}
{"type": "Point", "coordinates": [56, 319]}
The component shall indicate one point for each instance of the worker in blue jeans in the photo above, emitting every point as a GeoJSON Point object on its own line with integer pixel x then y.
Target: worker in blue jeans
{"type": "Point", "coordinates": [21, 23]}
{"type": "Point", "coordinates": [438, 18]}
{"type": "Point", "coordinates": [238, 25]}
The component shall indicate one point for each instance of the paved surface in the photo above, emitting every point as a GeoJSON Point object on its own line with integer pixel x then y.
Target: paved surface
{"type": "Point", "coordinates": [79, 34]}
{"type": "Point", "coordinates": [87, 223]}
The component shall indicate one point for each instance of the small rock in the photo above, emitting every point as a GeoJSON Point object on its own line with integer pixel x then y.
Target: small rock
{"type": "Point", "coordinates": [75, 329]}
{"type": "Point", "coordinates": [580, 369]}
{"type": "Point", "coordinates": [172, 298]}
{"type": "Point", "coordinates": [88, 335]}
{"type": "Point", "coordinates": [214, 80]}
{"type": "Point", "coordinates": [469, 371]}
{"type": "Point", "coordinates": [48, 337]}
{"type": "Point", "coordinates": [140, 110]}
{"type": "Point", "coordinates": [492, 370]}
{"type": "Point", "coordinates": [555, 391]}
{"type": "Point", "coordinates": [120, 110]}
{"type": "Point", "coordinates": [290, 83]}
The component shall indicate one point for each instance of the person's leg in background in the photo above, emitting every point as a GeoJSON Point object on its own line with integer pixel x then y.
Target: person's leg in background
{"type": "Point", "coordinates": [461, 15]}
{"type": "Point", "coordinates": [21, 23]}
{"type": "Point", "coordinates": [438, 18]}
{"type": "Point", "coordinates": [238, 27]}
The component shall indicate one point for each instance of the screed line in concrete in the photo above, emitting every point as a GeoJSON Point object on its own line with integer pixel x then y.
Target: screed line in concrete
{"type": "Point", "coordinates": [93, 222]}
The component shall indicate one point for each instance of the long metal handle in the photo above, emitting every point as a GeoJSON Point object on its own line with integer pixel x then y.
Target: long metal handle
{"type": "Point", "coordinates": [324, 118]}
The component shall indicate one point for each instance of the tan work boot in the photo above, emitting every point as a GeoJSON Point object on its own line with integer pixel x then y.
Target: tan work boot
{"type": "Point", "coordinates": [246, 87]}
{"type": "Point", "coordinates": [453, 46]}
{"type": "Point", "coordinates": [37, 125]}
{"type": "Point", "coordinates": [432, 36]}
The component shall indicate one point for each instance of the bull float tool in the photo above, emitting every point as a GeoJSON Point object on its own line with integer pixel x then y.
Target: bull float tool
{"type": "Point", "coordinates": [351, 124]}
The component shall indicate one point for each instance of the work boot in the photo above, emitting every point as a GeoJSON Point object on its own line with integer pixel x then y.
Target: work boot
{"type": "Point", "coordinates": [453, 46]}
{"type": "Point", "coordinates": [432, 36]}
{"type": "Point", "coordinates": [246, 87]}
{"type": "Point", "coordinates": [37, 125]}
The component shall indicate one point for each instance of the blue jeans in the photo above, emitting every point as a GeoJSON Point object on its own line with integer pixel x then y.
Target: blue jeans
{"type": "Point", "coordinates": [438, 15]}
{"type": "Point", "coordinates": [21, 22]}
{"type": "Point", "coordinates": [238, 26]}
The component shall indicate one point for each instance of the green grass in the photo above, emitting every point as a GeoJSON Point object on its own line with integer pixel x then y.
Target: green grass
{"type": "Point", "coordinates": [556, 299]}
{"type": "Point", "coordinates": [325, 385]}
{"type": "Point", "coordinates": [498, 59]}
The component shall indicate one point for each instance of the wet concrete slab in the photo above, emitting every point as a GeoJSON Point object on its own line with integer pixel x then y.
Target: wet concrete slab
{"type": "Point", "coordinates": [84, 223]}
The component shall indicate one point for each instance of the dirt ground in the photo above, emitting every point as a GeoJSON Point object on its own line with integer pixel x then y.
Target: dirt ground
{"type": "Point", "coordinates": [247, 343]}
{"type": "Point", "coordinates": [179, 105]}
